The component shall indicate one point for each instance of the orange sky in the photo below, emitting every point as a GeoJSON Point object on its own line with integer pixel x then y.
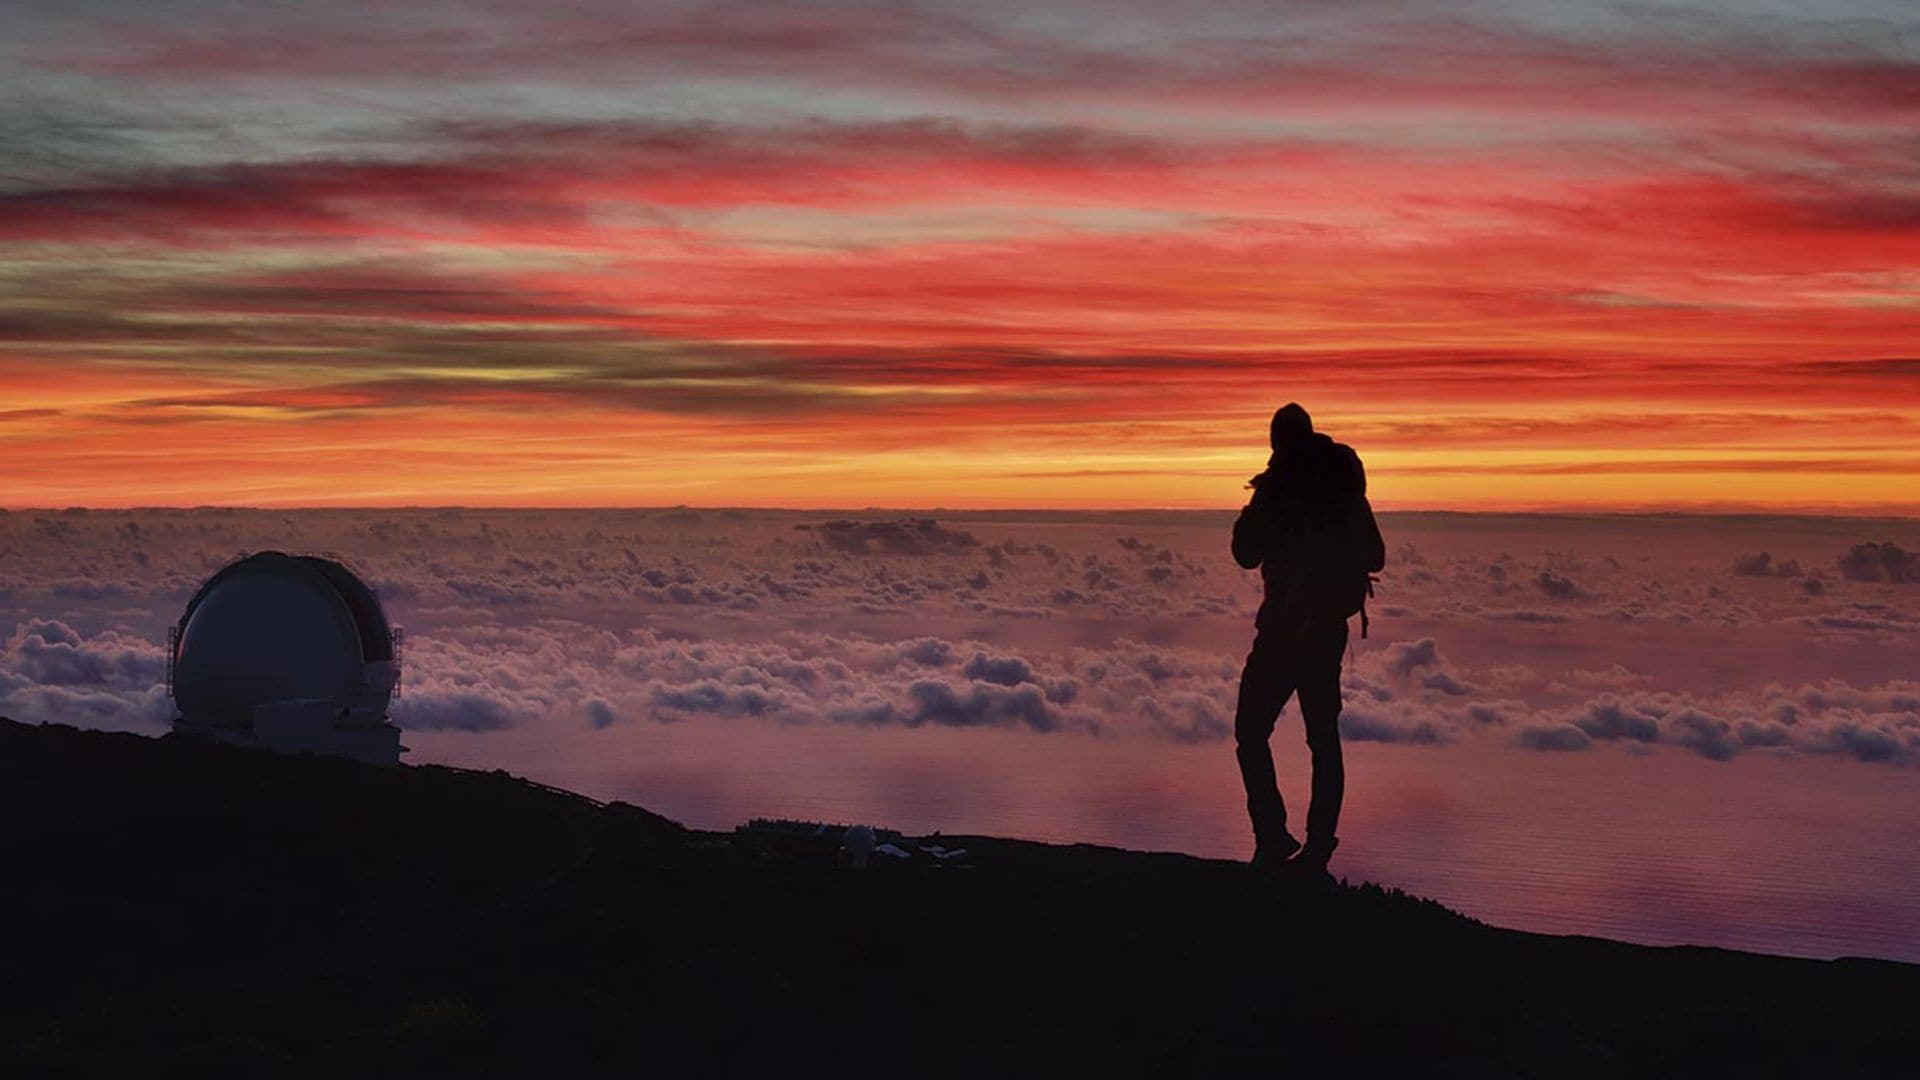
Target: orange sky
{"type": "Point", "coordinates": [1519, 256]}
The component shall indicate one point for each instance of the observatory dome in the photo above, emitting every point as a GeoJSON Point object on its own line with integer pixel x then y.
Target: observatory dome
{"type": "Point", "coordinates": [274, 642]}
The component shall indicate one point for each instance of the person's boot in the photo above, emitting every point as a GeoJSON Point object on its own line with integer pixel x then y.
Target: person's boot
{"type": "Point", "coordinates": [1275, 852]}
{"type": "Point", "coordinates": [1312, 857]}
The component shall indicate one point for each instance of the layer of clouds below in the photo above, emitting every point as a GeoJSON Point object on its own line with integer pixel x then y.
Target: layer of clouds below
{"type": "Point", "coordinates": [113, 679]}
{"type": "Point", "coordinates": [1131, 628]}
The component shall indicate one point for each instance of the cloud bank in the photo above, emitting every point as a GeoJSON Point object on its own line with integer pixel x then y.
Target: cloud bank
{"type": "Point", "coordinates": [1537, 634]}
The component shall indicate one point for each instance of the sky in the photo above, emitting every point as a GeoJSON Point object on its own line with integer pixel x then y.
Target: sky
{"type": "Point", "coordinates": [1038, 254]}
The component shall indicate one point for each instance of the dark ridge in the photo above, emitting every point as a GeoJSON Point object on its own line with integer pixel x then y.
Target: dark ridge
{"type": "Point", "coordinates": [181, 909]}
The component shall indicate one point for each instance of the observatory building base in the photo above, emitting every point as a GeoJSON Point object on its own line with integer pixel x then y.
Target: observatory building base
{"type": "Point", "coordinates": [311, 726]}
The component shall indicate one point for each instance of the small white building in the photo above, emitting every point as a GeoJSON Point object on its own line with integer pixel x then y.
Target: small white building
{"type": "Point", "coordinates": [287, 652]}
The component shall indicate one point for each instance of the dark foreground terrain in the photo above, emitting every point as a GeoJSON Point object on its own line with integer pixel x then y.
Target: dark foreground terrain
{"type": "Point", "coordinates": [171, 908]}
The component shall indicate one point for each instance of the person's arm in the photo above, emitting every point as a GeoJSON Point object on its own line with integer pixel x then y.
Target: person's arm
{"type": "Point", "coordinates": [1251, 535]}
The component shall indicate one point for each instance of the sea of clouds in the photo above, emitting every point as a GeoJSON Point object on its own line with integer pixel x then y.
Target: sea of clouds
{"type": "Point", "coordinates": [1713, 636]}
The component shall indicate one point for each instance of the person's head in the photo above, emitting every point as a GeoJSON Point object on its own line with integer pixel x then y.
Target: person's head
{"type": "Point", "coordinates": [1291, 426]}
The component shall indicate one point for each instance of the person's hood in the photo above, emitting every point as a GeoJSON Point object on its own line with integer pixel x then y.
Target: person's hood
{"type": "Point", "coordinates": [1290, 425]}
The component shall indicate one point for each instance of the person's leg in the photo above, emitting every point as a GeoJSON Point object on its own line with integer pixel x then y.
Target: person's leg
{"type": "Point", "coordinates": [1320, 707]}
{"type": "Point", "coordinates": [1264, 689]}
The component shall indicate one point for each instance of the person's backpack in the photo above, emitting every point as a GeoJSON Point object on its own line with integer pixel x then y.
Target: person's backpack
{"type": "Point", "coordinates": [1341, 549]}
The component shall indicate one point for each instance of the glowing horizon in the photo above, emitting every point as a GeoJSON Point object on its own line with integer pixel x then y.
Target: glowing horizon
{"type": "Point", "coordinates": [1521, 256]}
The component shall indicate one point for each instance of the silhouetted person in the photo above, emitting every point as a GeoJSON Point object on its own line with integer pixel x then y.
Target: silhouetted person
{"type": "Point", "coordinates": [1310, 531]}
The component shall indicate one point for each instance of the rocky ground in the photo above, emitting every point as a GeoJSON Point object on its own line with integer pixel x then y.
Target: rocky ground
{"type": "Point", "coordinates": [181, 909]}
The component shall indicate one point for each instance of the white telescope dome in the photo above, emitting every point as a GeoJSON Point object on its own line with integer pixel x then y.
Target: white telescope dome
{"type": "Point", "coordinates": [283, 642]}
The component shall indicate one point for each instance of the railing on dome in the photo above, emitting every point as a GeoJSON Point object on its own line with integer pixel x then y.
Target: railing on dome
{"type": "Point", "coordinates": [173, 654]}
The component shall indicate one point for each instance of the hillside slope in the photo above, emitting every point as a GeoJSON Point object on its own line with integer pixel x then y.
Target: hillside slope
{"type": "Point", "coordinates": [206, 911]}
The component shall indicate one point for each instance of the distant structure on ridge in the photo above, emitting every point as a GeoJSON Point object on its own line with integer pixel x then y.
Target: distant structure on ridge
{"type": "Point", "coordinates": [287, 652]}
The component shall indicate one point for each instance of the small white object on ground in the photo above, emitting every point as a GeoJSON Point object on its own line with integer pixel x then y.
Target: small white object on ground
{"type": "Point", "coordinates": [856, 844]}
